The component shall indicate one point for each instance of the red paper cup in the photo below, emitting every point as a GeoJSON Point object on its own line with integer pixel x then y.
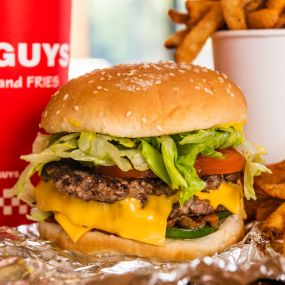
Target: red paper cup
{"type": "Point", "coordinates": [34, 58]}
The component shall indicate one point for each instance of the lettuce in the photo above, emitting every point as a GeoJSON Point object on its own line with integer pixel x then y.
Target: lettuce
{"type": "Point", "coordinates": [254, 166]}
{"type": "Point", "coordinates": [155, 161]}
{"type": "Point", "coordinates": [38, 215]}
{"type": "Point", "coordinates": [171, 157]}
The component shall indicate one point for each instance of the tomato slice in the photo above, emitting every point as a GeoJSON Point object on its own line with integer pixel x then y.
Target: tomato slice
{"type": "Point", "coordinates": [233, 162]}
{"type": "Point", "coordinates": [116, 172]}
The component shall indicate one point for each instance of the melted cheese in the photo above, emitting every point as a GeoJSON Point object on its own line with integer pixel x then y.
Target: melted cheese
{"type": "Point", "coordinates": [237, 126]}
{"type": "Point", "coordinates": [228, 195]}
{"type": "Point", "coordinates": [74, 232]}
{"type": "Point", "coordinates": [125, 218]}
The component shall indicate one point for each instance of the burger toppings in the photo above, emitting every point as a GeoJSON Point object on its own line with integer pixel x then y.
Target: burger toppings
{"type": "Point", "coordinates": [171, 158]}
{"type": "Point", "coordinates": [201, 230]}
{"type": "Point", "coordinates": [183, 180]}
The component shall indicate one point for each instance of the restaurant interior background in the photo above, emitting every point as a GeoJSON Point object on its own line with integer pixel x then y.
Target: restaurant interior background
{"type": "Point", "coordinates": [126, 31]}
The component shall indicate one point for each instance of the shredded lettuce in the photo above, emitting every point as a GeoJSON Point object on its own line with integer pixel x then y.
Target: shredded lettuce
{"type": "Point", "coordinates": [171, 157]}
{"type": "Point", "coordinates": [38, 215]}
{"type": "Point", "coordinates": [254, 166]}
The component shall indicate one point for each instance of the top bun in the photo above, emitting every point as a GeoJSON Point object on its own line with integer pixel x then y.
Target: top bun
{"type": "Point", "coordinates": [148, 99]}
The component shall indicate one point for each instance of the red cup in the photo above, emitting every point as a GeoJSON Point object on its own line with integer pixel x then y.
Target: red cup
{"type": "Point", "coordinates": [34, 59]}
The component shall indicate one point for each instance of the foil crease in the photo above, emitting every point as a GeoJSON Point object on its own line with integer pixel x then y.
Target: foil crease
{"type": "Point", "coordinates": [26, 259]}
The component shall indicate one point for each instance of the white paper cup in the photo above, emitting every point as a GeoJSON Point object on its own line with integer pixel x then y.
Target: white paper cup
{"type": "Point", "coordinates": [255, 60]}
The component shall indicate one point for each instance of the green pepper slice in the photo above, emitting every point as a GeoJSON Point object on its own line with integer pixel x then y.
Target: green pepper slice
{"type": "Point", "coordinates": [178, 233]}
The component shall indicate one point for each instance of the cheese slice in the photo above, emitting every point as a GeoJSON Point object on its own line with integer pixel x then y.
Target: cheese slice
{"type": "Point", "coordinates": [228, 195]}
{"type": "Point", "coordinates": [125, 218]}
{"type": "Point", "coordinates": [237, 126]}
{"type": "Point", "coordinates": [74, 232]}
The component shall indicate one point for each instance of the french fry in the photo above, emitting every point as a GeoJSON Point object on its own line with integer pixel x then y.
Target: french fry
{"type": "Point", "coordinates": [266, 208]}
{"type": "Point", "coordinates": [278, 5]}
{"type": "Point", "coordinates": [274, 190]}
{"type": "Point", "coordinates": [177, 17]}
{"type": "Point", "coordinates": [175, 39]}
{"type": "Point", "coordinates": [281, 22]}
{"type": "Point", "coordinates": [263, 19]}
{"type": "Point", "coordinates": [196, 38]}
{"type": "Point", "coordinates": [253, 5]}
{"type": "Point", "coordinates": [197, 10]}
{"type": "Point", "coordinates": [277, 176]}
{"type": "Point", "coordinates": [274, 227]}
{"type": "Point", "coordinates": [234, 14]}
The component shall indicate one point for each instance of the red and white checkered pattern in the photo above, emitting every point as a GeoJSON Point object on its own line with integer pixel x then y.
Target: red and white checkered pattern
{"type": "Point", "coordinates": [12, 205]}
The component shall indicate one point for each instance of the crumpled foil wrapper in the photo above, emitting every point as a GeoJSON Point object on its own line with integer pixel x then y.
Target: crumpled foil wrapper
{"type": "Point", "coordinates": [25, 259]}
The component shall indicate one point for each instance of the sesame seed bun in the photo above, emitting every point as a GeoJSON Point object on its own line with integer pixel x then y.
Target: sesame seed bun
{"type": "Point", "coordinates": [230, 232]}
{"type": "Point", "coordinates": [144, 100]}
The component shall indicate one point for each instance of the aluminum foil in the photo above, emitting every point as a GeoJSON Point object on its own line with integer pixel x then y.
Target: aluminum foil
{"type": "Point", "coordinates": [25, 259]}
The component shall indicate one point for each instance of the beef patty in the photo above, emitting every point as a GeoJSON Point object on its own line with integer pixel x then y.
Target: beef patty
{"type": "Point", "coordinates": [82, 181]}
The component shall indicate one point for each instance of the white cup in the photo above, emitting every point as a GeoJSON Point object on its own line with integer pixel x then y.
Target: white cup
{"type": "Point", "coordinates": [255, 60]}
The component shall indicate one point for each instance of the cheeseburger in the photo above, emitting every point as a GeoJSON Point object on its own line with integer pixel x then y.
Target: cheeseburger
{"type": "Point", "coordinates": [148, 160]}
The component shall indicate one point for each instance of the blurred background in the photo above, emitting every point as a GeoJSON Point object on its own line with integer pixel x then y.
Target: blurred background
{"type": "Point", "coordinates": [110, 32]}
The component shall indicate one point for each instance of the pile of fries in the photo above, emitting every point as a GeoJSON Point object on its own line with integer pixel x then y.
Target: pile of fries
{"type": "Point", "coordinates": [203, 18]}
{"type": "Point", "coordinates": [270, 206]}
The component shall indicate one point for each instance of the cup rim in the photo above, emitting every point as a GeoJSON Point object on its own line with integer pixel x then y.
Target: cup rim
{"type": "Point", "coordinates": [250, 33]}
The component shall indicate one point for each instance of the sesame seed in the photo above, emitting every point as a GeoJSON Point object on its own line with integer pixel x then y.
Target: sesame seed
{"type": "Point", "coordinates": [56, 93]}
{"type": "Point", "coordinates": [103, 72]}
{"type": "Point", "coordinates": [118, 74]}
{"type": "Point", "coordinates": [57, 112]}
{"type": "Point", "coordinates": [171, 74]}
{"type": "Point", "coordinates": [191, 80]}
{"type": "Point", "coordinates": [197, 87]}
{"type": "Point", "coordinates": [144, 120]}
{"type": "Point", "coordinates": [76, 108]}
{"type": "Point", "coordinates": [207, 90]}
{"type": "Point", "coordinates": [175, 88]}
{"type": "Point", "coordinates": [230, 85]}
{"type": "Point", "coordinates": [204, 80]}
{"type": "Point", "coordinates": [138, 89]}
{"type": "Point", "coordinates": [65, 97]}
{"type": "Point", "coordinates": [91, 81]}
{"type": "Point", "coordinates": [159, 128]}
{"type": "Point", "coordinates": [224, 75]}
{"type": "Point", "coordinates": [128, 114]}
{"type": "Point", "coordinates": [102, 78]}
{"type": "Point", "coordinates": [99, 87]}
{"type": "Point", "coordinates": [228, 90]}
{"type": "Point", "coordinates": [221, 79]}
{"type": "Point", "coordinates": [181, 71]}
{"type": "Point", "coordinates": [45, 114]}
{"type": "Point", "coordinates": [95, 92]}
{"type": "Point", "coordinates": [157, 82]}
{"type": "Point", "coordinates": [204, 69]}
{"type": "Point", "coordinates": [105, 89]}
{"type": "Point", "coordinates": [232, 94]}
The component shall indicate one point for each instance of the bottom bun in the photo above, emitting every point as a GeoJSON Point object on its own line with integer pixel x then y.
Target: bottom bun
{"type": "Point", "coordinates": [231, 231]}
